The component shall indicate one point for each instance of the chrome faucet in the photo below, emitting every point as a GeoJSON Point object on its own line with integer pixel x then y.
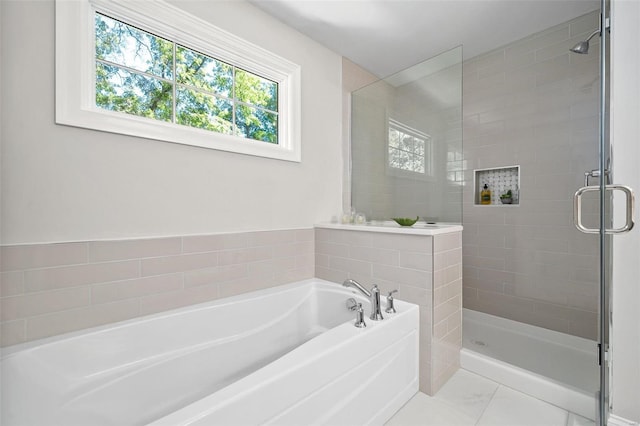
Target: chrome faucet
{"type": "Point", "coordinates": [374, 295]}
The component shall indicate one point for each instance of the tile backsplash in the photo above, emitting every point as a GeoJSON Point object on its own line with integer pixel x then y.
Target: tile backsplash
{"type": "Point", "coordinates": [50, 289]}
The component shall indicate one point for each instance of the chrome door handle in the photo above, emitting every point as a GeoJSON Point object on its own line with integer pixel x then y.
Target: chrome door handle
{"type": "Point", "coordinates": [594, 173]}
{"type": "Point", "coordinates": [630, 210]}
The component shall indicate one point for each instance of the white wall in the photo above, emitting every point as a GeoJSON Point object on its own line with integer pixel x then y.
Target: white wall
{"type": "Point", "coordinates": [62, 183]}
{"type": "Point", "coordinates": [625, 110]}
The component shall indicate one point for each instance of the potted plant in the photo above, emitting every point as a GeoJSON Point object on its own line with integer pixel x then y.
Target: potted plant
{"type": "Point", "coordinates": [506, 198]}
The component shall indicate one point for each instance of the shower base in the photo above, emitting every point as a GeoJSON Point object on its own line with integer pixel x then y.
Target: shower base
{"type": "Point", "coordinates": [555, 367]}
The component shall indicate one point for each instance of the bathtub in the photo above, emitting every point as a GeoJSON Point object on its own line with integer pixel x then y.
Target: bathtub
{"type": "Point", "coordinates": [554, 367]}
{"type": "Point", "coordinates": [285, 355]}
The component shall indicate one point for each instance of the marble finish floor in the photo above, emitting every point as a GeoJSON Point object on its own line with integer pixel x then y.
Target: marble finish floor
{"type": "Point", "coordinates": [471, 400]}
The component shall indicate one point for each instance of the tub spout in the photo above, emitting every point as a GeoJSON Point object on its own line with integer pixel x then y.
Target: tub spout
{"type": "Point", "coordinates": [374, 295]}
{"type": "Point", "coordinates": [353, 283]}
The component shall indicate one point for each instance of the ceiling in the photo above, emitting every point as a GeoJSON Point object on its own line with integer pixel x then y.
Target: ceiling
{"type": "Point", "coordinates": [386, 36]}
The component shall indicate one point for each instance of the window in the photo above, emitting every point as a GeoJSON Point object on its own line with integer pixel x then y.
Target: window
{"type": "Point", "coordinates": [409, 150]}
{"type": "Point", "coordinates": [139, 75]}
{"type": "Point", "coordinates": [142, 74]}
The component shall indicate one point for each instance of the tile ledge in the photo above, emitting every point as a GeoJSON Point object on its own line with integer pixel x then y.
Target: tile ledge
{"type": "Point", "coordinates": [393, 228]}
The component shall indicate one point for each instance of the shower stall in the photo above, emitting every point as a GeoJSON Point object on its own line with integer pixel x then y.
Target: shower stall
{"type": "Point", "coordinates": [533, 118]}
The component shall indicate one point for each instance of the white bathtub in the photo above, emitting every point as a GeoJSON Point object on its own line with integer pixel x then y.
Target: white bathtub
{"type": "Point", "coordinates": [554, 367]}
{"type": "Point", "coordinates": [286, 355]}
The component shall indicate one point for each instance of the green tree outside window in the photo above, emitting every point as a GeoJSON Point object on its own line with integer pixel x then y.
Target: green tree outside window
{"type": "Point", "coordinates": [145, 75]}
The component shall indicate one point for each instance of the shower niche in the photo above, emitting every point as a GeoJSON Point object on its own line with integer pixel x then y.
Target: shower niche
{"type": "Point", "coordinates": [501, 182]}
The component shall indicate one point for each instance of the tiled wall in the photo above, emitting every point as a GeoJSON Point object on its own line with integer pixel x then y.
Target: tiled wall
{"type": "Point", "coordinates": [447, 308]}
{"type": "Point", "coordinates": [425, 270]}
{"type": "Point", "coordinates": [535, 104]}
{"type": "Point", "coordinates": [49, 289]}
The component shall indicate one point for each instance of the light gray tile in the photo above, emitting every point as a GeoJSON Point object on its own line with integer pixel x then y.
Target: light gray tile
{"type": "Point", "coordinates": [330, 274]}
{"type": "Point", "coordinates": [484, 262]}
{"type": "Point", "coordinates": [338, 236]}
{"type": "Point", "coordinates": [322, 260]}
{"type": "Point", "coordinates": [533, 43]}
{"type": "Point", "coordinates": [11, 283]}
{"type": "Point", "coordinates": [70, 276]}
{"type": "Point", "coordinates": [412, 260]}
{"type": "Point", "coordinates": [445, 242]}
{"type": "Point", "coordinates": [587, 329]}
{"type": "Point", "coordinates": [33, 256]}
{"type": "Point", "coordinates": [203, 243]}
{"type": "Point", "coordinates": [266, 238]}
{"type": "Point", "coordinates": [242, 286]}
{"type": "Point", "coordinates": [447, 308]}
{"type": "Point", "coordinates": [245, 255]}
{"type": "Point", "coordinates": [304, 261]}
{"type": "Point", "coordinates": [305, 234]}
{"type": "Point", "coordinates": [410, 277]}
{"type": "Point", "coordinates": [374, 255]}
{"type": "Point", "coordinates": [214, 275]}
{"type": "Point", "coordinates": [419, 296]}
{"type": "Point", "coordinates": [293, 275]}
{"type": "Point", "coordinates": [33, 304]}
{"type": "Point", "coordinates": [292, 249]}
{"type": "Point", "coordinates": [332, 249]}
{"type": "Point", "coordinates": [180, 263]}
{"type": "Point", "coordinates": [266, 268]}
{"type": "Point", "coordinates": [129, 289]}
{"type": "Point", "coordinates": [171, 300]}
{"type": "Point", "coordinates": [414, 243]}
{"type": "Point", "coordinates": [105, 251]}
{"type": "Point", "coordinates": [585, 24]}
{"type": "Point", "coordinates": [352, 266]}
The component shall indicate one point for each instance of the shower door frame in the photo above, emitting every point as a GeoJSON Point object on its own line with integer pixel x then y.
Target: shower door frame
{"type": "Point", "coordinates": [605, 204]}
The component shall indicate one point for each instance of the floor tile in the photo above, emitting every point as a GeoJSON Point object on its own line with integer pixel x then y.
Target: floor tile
{"type": "Point", "coordinates": [512, 408]}
{"type": "Point", "coordinates": [423, 410]}
{"type": "Point", "coordinates": [468, 393]}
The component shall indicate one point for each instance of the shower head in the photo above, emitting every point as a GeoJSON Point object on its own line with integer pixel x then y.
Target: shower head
{"type": "Point", "coordinates": [583, 46]}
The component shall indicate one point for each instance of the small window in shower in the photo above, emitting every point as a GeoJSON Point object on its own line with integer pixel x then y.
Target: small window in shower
{"type": "Point", "coordinates": [409, 151]}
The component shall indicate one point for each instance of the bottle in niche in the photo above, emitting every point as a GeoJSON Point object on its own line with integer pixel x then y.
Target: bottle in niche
{"type": "Point", "coordinates": [485, 195]}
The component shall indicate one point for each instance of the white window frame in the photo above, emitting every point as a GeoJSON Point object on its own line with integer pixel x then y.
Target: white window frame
{"type": "Point", "coordinates": [429, 172]}
{"type": "Point", "coordinates": [75, 75]}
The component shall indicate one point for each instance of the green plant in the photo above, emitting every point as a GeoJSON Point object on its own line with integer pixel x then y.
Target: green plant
{"type": "Point", "coordinates": [506, 194]}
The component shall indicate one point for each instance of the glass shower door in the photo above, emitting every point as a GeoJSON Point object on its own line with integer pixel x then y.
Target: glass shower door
{"type": "Point", "coordinates": [606, 228]}
{"type": "Point", "coordinates": [406, 143]}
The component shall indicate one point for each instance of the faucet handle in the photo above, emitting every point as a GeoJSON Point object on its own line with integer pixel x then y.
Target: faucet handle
{"type": "Point", "coordinates": [390, 309]}
{"type": "Point", "coordinates": [360, 317]}
{"type": "Point", "coordinates": [351, 304]}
